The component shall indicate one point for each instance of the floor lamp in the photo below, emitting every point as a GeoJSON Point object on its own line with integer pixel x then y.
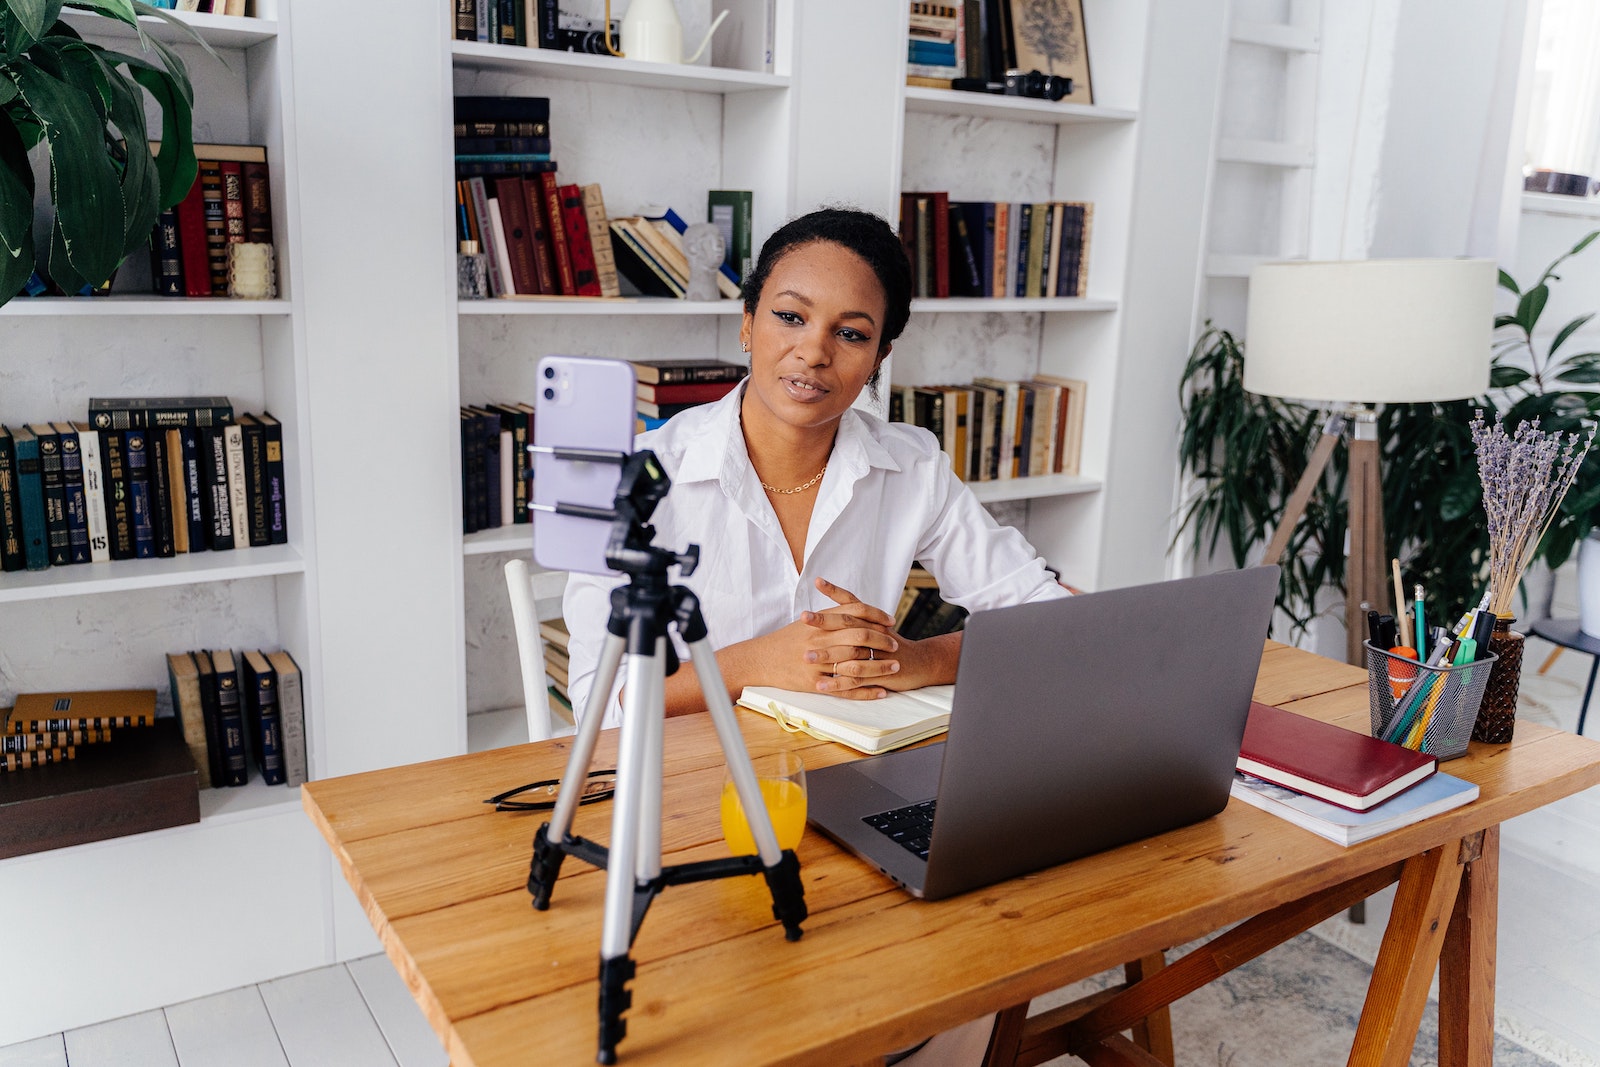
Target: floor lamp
{"type": "Point", "coordinates": [1354, 334]}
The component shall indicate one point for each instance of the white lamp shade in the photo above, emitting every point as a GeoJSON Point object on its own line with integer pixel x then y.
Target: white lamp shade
{"type": "Point", "coordinates": [1376, 331]}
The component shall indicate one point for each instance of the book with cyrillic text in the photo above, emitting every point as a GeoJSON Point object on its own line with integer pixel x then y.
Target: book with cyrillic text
{"type": "Point", "coordinates": [1324, 761]}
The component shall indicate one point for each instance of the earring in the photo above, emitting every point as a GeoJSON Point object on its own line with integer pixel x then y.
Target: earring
{"type": "Point", "coordinates": [744, 346]}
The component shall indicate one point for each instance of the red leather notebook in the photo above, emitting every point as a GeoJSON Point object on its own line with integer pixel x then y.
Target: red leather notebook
{"type": "Point", "coordinates": [1340, 766]}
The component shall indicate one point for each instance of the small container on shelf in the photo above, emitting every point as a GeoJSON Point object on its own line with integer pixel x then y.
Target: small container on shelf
{"type": "Point", "coordinates": [252, 271]}
{"type": "Point", "coordinates": [472, 273]}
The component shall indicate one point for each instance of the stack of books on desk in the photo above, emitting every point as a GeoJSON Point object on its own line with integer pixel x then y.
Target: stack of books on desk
{"type": "Point", "coordinates": [1341, 785]}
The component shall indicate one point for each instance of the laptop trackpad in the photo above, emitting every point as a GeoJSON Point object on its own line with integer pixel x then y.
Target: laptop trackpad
{"type": "Point", "coordinates": [914, 774]}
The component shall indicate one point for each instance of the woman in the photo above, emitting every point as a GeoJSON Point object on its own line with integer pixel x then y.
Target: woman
{"type": "Point", "coordinates": [809, 512]}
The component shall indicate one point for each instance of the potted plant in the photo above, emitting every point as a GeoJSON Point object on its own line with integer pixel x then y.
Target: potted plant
{"type": "Point", "coordinates": [77, 110]}
{"type": "Point", "coordinates": [1557, 390]}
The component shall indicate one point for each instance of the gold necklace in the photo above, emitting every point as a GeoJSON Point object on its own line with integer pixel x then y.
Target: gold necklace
{"type": "Point", "coordinates": [798, 488]}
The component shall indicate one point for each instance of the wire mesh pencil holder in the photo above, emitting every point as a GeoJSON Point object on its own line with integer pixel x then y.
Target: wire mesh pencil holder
{"type": "Point", "coordinates": [1430, 709]}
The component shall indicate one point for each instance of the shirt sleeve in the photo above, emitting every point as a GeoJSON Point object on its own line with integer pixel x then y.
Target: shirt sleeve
{"type": "Point", "coordinates": [978, 563]}
{"type": "Point", "coordinates": [586, 606]}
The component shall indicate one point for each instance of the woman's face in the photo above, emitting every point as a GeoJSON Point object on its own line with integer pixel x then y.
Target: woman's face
{"type": "Point", "coordinates": [814, 336]}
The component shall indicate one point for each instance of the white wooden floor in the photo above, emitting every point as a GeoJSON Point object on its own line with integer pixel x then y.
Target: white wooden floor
{"type": "Point", "coordinates": [351, 1015]}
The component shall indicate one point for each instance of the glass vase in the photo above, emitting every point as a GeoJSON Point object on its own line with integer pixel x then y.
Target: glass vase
{"type": "Point", "coordinates": [1497, 715]}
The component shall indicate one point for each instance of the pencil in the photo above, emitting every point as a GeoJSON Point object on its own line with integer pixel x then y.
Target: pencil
{"type": "Point", "coordinates": [1400, 613]}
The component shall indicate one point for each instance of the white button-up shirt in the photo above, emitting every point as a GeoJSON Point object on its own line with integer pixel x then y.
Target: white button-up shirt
{"type": "Point", "coordinates": [889, 498]}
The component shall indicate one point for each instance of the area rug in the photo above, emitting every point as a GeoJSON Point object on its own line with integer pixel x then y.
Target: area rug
{"type": "Point", "coordinates": [1295, 1006]}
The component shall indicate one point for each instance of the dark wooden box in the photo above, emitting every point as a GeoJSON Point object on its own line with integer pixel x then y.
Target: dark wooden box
{"type": "Point", "coordinates": [143, 779]}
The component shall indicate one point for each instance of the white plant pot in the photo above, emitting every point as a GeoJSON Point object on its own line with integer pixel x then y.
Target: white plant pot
{"type": "Point", "coordinates": [1589, 586]}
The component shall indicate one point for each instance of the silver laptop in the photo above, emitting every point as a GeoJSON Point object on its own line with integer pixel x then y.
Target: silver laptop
{"type": "Point", "coordinates": [1078, 725]}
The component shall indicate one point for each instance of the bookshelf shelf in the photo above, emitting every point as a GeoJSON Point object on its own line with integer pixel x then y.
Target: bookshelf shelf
{"type": "Point", "coordinates": [575, 66]}
{"type": "Point", "coordinates": [219, 31]}
{"type": "Point", "coordinates": [1047, 485]}
{"type": "Point", "coordinates": [597, 306]}
{"type": "Point", "coordinates": [257, 799]}
{"type": "Point", "coordinates": [980, 304]}
{"type": "Point", "coordinates": [1553, 204]}
{"type": "Point", "coordinates": [498, 539]}
{"type": "Point", "coordinates": [93, 579]}
{"type": "Point", "coordinates": [1014, 108]}
{"type": "Point", "coordinates": [137, 304]}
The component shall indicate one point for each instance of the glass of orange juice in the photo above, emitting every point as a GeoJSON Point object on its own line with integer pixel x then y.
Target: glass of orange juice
{"type": "Point", "coordinates": [782, 778]}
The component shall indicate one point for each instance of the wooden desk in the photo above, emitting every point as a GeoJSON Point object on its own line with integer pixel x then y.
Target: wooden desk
{"type": "Point", "coordinates": [442, 879]}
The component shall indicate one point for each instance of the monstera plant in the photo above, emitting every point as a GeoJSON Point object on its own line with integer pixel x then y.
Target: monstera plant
{"type": "Point", "coordinates": [74, 113]}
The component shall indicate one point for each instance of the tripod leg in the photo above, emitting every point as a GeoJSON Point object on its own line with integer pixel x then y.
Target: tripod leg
{"type": "Point", "coordinates": [648, 866]}
{"type": "Point", "coordinates": [782, 869]}
{"type": "Point", "coordinates": [622, 860]}
{"type": "Point", "coordinates": [547, 853]}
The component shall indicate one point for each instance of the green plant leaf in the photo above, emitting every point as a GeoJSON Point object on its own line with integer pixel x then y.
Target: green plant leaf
{"type": "Point", "coordinates": [87, 226]}
{"type": "Point", "coordinates": [1506, 282]}
{"type": "Point", "coordinates": [1584, 375]}
{"type": "Point", "coordinates": [1531, 306]}
{"type": "Point", "coordinates": [1504, 377]}
{"type": "Point", "coordinates": [1504, 320]}
{"type": "Point", "coordinates": [35, 16]}
{"type": "Point", "coordinates": [175, 166]}
{"type": "Point", "coordinates": [139, 189]}
{"type": "Point", "coordinates": [1568, 330]}
{"type": "Point", "coordinates": [1461, 496]}
{"type": "Point", "coordinates": [16, 211]}
{"type": "Point", "coordinates": [121, 10]}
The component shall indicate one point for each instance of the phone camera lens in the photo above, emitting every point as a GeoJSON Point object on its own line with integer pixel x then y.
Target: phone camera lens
{"type": "Point", "coordinates": [549, 372]}
{"type": "Point", "coordinates": [549, 394]}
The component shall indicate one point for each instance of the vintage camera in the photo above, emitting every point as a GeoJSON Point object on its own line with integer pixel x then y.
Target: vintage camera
{"type": "Point", "coordinates": [578, 34]}
{"type": "Point", "coordinates": [1037, 84]}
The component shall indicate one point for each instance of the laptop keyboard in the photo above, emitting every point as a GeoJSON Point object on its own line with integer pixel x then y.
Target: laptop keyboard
{"type": "Point", "coordinates": [911, 826]}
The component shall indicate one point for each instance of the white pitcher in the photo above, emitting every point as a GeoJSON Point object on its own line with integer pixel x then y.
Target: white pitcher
{"type": "Point", "coordinates": [651, 32]}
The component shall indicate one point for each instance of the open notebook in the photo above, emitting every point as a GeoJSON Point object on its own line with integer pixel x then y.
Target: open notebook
{"type": "Point", "coordinates": [869, 726]}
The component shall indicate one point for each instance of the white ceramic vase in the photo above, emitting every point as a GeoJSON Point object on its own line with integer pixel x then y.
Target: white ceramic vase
{"type": "Point", "coordinates": [1589, 585]}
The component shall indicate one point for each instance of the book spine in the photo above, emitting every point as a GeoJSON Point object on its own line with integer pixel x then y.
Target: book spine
{"type": "Point", "coordinates": [30, 488]}
{"type": "Point", "coordinates": [11, 554]}
{"type": "Point", "coordinates": [605, 267]}
{"type": "Point", "coordinates": [230, 727]}
{"type": "Point", "coordinates": [208, 709]}
{"type": "Point", "coordinates": [184, 684]}
{"type": "Point", "coordinates": [498, 285]}
{"type": "Point", "coordinates": [238, 487]}
{"type": "Point", "coordinates": [214, 485]}
{"type": "Point", "coordinates": [57, 535]}
{"type": "Point", "coordinates": [466, 20]}
{"type": "Point", "coordinates": [277, 493]}
{"type": "Point", "coordinates": [506, 129]}
{"type": "Point", "coordinates": [576, 224]}
{"type": "Point", "coordinates": [191, 212]}
{"type": "Point", "coordinates": [502, 252]}
{"type": "Point", "coordinates": [167, 257]}
{"type": "Point", "coordinates": [177, 491]}
{"type": "Point", "coordinates": [268, 734]}
{"type": "Point", "coordinates": [77, 504]}
{"type": "Point", "coordinates": [558, 234]}
{"type": "Point", "coordinates": [513, 204]}
{"type": "Point", "coordinates": [1019, 268]}
{"type": "Point", "coordinates": [216, 222]}
{"type": "Point", "coordinates": [16, 761]}
{"type": "Point", "coordinates": [123, 413]}
{"type": "Point", "coordinates": [255, 480]}
{"type": "Point", "coordinates": [291, 712]}
{"type": "Point", "coordinates": [161, 517]}
{"type": "Point", "coordinates": [233, 204]}
{"type": "Point", "coordinates": [136, 455]}
{"type": "Point", "coordinates": [257, 203]}
{"type": "Point", "coordinates": [548, 24]}
{"type": "Point", "coordinates": [544, 264]}
{"type": "Point", "coordinates": [119, 497]}
{"type": "Point", "coordinates": [939, 222]}
{"type": "Point", "coordinates": [512, 147]}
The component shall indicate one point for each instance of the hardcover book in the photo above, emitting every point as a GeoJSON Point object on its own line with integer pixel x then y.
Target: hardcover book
{"type": "Point", "coordinates": [259, 689]}
{"type": "Point", "coordinates": [558, 234]}
{"type": "Point", "coordinates": [605, 267]}
{"type": "Point", "coordinates": [230, 720]}
{"type": "Point", "coordinates": [513, 203]}
{"type": "Point", "coordinates": [680, 371]}
{"type": "Point", "coordinates": [575, 222]}
{"type": "Point", "coordinates": [77, 504]}
{"type": "Point", "coordinates": [238, 485]}
{"type": "Point", "coordinates": [136, 456]}
{"type": "Point", "coordinates": [55, 495]}
{"type": "Point", "coordinates": [1321, 760]}
{"type": "Point", "coordinates": [161, 515]}
{"type": "Point", "coordinates": [183, 678]}
{"type": "Point", "coordinates": [214, 488]}
{"type": "Point", "coordinates": [291, 712]}
{"type": "Point", "coordinates": [637, 263]}
{"type": "Point", "coordinates": [254, 438]}
{"type": "Point", "coordinates": [196, 269]}
{"type": "Point", "coordinates": [1439, 792]}
{"type": "Point", "coordinates": [11, 556]}
{"type": "Point", "coordinates": [36, 757]}
{"type": "Point", "coordinates": [94, 496]}
{"type": "Point", "coordinates": [276, 492]}
{"type": "Point", "coordinates": [118, 494]}
{"type": "Point", "coordinates": [213, 202]}
{"type": "Point", "coordinates": [206, 674]}
{"type": "Point", "coordinates": [158, 412]}
{"type": "Point", "coordinates": [30, 493]}
{"type": "Point", "coordinates": [105, 709]}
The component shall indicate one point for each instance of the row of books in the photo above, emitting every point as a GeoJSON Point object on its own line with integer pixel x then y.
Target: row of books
{"type": "Point", "coordinates": [214, 7]}
{"type": "Point", "coordinates": [994, 248]}
{"type": "Point", "coordinates": [495, 472]}
{"type": "Point", "coordinates": [665, 388]}
{"type": "Point", "coordinates": [992, 428]}
{"type": "Point", "coordinates": [141, 478]}
{"type": "Point", "coordinates": [530, 23]}
{"type": "Point", "coordinates": [937, 37]}
{"type": "Point", "coordinates": [553, 633]}
{"type": "Point", "coordinates": [230, 202]}
{"type": "Point", "coordinates": [240, 710]}
{"type": "Point", "coordinates": [922, 613]}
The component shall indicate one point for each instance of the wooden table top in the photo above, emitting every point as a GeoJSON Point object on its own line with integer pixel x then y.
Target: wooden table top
{"type": "Point", "coordinates": [441, 876]}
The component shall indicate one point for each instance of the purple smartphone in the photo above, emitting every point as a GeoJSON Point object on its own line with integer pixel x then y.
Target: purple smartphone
{"type": "Point", "coordinates": [582, 403]}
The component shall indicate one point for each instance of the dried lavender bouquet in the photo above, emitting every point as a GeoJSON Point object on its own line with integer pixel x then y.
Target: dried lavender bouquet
{"type": "Point", "coordinates": [1524, 477]}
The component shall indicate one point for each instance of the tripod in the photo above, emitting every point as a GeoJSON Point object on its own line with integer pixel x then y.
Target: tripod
{"type": "Point", "coordinates": [641, 612]}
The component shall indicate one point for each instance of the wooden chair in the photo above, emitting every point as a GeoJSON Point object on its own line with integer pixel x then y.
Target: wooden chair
{"type": "Point", "coordinates": [525, 588]}
{"type": "Point", "coordinates": [1021, 1041]}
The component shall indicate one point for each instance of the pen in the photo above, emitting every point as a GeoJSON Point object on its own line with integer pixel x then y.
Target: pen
{"type": "Point", "coordinates": [1422, 630]}
{"type": "Point", "coordinates": [1374, 633]}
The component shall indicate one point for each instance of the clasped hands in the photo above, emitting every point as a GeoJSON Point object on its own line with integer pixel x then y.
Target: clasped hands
{"type": "Point", "coordinates": [849, 650]}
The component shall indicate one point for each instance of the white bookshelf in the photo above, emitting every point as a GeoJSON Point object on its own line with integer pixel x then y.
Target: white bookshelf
{"type": "Point", "coordinates": [242, 895]}
{"type": "Point", "coordinates": [1011, 108]}
{"type": "Point", "coordinates": [700, 128]}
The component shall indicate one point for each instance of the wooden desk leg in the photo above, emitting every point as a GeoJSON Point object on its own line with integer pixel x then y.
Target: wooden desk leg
{"type": "Point", "coordinates": [1467, 964]}
{"type": "Point", "coordinates": [1153, 1033]}
{"type": "Point", "coordinates": [1387, 1030]}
